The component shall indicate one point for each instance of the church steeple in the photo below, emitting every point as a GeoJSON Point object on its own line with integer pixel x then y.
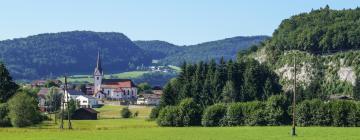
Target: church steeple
{"type": "Point", "coordinates": [98, 69]}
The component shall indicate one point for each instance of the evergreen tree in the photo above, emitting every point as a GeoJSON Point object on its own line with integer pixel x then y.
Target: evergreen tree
{"type": "Point", "coordinates": [168, 97]}
{"type": "Point", "coordinates": [7, 86]}
{"type": "Point", "coordinates": [229, 94]}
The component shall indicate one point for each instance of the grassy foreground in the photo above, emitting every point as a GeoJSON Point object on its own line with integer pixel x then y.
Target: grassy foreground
{"type": "Point", "coordinates": [140, 129]}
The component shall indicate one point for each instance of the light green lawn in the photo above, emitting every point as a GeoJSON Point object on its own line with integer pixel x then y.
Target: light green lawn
{"type": "Point", "coordinates": [89, 78]}
{"type": "Point", "coordinates": [140, 129]}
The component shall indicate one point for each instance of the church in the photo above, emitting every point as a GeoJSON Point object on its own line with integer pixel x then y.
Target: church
{"type": "Point", "coordinates": [112, 89]}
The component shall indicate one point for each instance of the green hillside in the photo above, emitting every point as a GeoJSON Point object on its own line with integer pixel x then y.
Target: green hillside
{"type": "Point", "coordinates": [324, 44]}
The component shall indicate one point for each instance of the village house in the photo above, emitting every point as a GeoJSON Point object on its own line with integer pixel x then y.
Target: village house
{"type": "Point", "coordinates": [148, 99]}
{"type": "Point", "coordinates": [86, 101]}
{"type": "Point", "coordinates": [113, 89]}
{"type": "Point", "coordinates": [42, 99]}
{"type": "Point", "coordinates": [72, 95]}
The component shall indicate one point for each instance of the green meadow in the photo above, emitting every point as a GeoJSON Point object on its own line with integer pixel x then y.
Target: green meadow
{"type": "Point", "coordinates": [111, 127]}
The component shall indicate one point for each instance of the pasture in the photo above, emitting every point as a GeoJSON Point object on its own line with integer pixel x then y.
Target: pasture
{"type": "Point", "coordinates": [111, 127]}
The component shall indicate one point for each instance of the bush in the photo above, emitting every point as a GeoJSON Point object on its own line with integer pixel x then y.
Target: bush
{"type": "Point", "coordinates": [276, 109]}
{"type": "Point", "coordinates": [189, 112]}
{"type": "Point", "coordinates": [214, 115]}
{"type": "Point", "coordinates": [23, 110]}
{"type": "Point", "coordinates": [4, 119]}
{"type": "Point", "coordinates": [333, 113]}
{"type": "Point", "coordinates": [154, 113]}
{"type": "Point", "coordinates": [126, 113]}
{"type": "Point", "coordinates": [341, 111]}
{"type": "Point", "coordinates": [168, 116]}
{"type": "Point", "coordinates": [235, 114]}
{"type": "Point", "coordinates": [255, 113]}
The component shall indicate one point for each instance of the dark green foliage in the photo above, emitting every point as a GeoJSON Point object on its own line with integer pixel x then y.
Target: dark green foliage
{"type": "Point", "coordinates": [276, 109]}
{"type": "Point", "coordinates": [226, 48]}
{"type": "Point", "coordinates": [235, 114]}
{"type": "Point", "coordinates": [7, 86]}
{"type": "Point", "coordinates": [356, 90]}
{"type": "Point", "coordinates": [189, 112]}
{"type": "Point", "coordinates": [229, 94]}
{"type": "Point", "coordinates": [23, 110]}
{"type": "Point", "coordinates": [154, 113]}
{"type": "Point", "coordinates": [53, 100]}
{"type": "Point", "coordinates": [168, 116]}
{"type": "Point", "coordinates": [4, 118]}
{"type": "Point", "coordinates": [333, 113]}
{"type": "Point", "coordinates": [255, 114]}
{"type": "Point", "coordinates": [56, 53]}
{"type": "Point", "coordinates": [214, 115]}
{"type": "Point", "coordinates": [169, 96]}
{"type": "Point", "coordinates": [155, 78]}
{"type": "Point", "coordinates": [125, 112]}
{"type": "Point", "coordinates": [143, 87]}
{"type": "Point", "coordinates": [50, 84]}
{"type": "Point", "coordinates": [322, 30]}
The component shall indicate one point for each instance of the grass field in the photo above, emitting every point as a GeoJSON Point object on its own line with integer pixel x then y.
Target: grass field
{"type": "Point", "coordinates": [140, 129]}
{"type": "Point", "coordinates": [89, 78]}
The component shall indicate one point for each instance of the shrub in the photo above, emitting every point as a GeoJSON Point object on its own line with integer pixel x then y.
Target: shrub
{"type": "Point", "coordinates": [168, 116]}
{"type": "Point", "coordinates": [136, 114]}
{"type": "Point", "coordinates": [4, 119]}
{"type": "Point", "coordinates": [154, 113]}
{"type": "Point", "coordinates": [341, 111]}
{"type": "Point", "coordinates": [214, 115]}
{"type": "Point", "coordinates": [23, 110]}
{"type": "Point", "coordinates": [303, 115]}
{"type": "Point", "coordinates": [189, 112]}
{"type": "Point", "coordinates": [235, 115]}
{"type": "Point", "coordinates": [254, 113]}
{"type": "Point", "coordinates": [126, 113]}
{"type": "Point", "coordinates": [276, 109]}
{"type": "Point", "coordinates": [322, 115]}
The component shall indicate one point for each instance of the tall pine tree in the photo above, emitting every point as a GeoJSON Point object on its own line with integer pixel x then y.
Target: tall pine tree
{"type": "Point", "coordinates": [7, 86]}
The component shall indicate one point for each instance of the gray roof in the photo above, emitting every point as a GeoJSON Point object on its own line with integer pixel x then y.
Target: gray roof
{"type": "Point", "coordinates": [75, 92]}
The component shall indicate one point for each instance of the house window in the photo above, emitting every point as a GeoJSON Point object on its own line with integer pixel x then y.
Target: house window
{"type": "Point", "coordinates": [84, 101]}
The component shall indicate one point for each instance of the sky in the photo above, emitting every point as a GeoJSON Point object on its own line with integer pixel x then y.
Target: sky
{"type": "Point", "coordinates": [182, 22]}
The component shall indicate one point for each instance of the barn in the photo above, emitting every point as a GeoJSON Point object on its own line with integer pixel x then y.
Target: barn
{"type": "Point", "coordinates": [85, 114]}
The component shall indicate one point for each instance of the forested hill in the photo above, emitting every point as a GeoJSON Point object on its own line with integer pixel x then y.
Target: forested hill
{"type": "Point", "coordinates": [326, 46]}
{"type": "Point", "coordinates": [71, 53]}
{"type": "Point", "coordinates": [176, 55]}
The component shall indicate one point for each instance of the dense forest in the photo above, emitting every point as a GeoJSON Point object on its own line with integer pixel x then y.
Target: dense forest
{"type": "Point", "coordinates": [55, 54]}
{"type": "Point", "coordinates": [322, 30]}
{"type": "Point", "coordinates": [176, 55]}
{"type": "Point", "coordinates": [70, 53]}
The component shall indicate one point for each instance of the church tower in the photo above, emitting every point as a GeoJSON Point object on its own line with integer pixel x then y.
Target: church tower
{"type": "Point", "coordinates": [98, 75]}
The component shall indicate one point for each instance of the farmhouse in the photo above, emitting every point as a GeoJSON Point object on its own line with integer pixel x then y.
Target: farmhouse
{"type": "Point", "coordinates": [149, 99]}
{"type": "Point", "coordinates": [112, 89]}
{"type": "Point", "coordinates": [72, 95]}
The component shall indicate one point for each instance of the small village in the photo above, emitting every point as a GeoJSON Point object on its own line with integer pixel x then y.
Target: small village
{"type": "Point", "coordinates": [113, 92]}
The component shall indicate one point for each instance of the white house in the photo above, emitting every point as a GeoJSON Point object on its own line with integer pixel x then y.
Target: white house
{"type": "Point", "coordinates": [72, 95]}
{"type": "Point", "coordinates": [149, 99]}
{"type": "Point", "coordinates": [86, 101]}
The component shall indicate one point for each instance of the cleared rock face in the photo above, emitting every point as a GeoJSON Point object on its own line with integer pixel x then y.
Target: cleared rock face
{"type": "Point", "coordinates": [347, 74]}
{"type": "Point", "coordinates": [261, 56]}
{"type": "Point", "coordinates": [303, 75]}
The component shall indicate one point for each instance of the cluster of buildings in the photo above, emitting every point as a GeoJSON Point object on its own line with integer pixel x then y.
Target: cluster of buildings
{"type": "Point", "coordinates": [101, 91]}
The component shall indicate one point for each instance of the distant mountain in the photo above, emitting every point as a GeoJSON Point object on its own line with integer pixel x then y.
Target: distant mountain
{"type": "Point", "coordinates": [56, 54]}
{"type": "Point", "coordinates": [175, 55]}
{"type": "Point", "coordinates": [161, 49]}
{"type": "Point", "coordinates": [74, 52]}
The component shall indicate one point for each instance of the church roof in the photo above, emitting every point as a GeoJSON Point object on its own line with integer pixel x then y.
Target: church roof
{"type": "Point", "coordinates": [118, 83]}
{"type": "Point", "coordinates": [75, 92]}
{"type": "Point", "coordinates": [98, 64]}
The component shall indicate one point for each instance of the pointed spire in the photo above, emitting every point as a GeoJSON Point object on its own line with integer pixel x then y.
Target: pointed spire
{"type": "Point", "coordinates": [98, 64]}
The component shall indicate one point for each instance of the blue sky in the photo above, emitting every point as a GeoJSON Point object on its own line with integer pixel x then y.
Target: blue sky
{"type": "Point", "coordinates": [177, 21]}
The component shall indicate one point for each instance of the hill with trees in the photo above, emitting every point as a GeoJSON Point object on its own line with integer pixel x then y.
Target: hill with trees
{"type": "Point", "coordinates": [69, 53]}
{"type": "Point", "coordinates": [225, 48]}
{"type": "Point", "coordinates": [325, 45]}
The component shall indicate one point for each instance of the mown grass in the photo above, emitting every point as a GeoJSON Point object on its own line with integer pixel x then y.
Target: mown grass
{"type": "Point", "coordinates": [140, 129]}
{"type": "Point", "coordinates": [108, 111]}
{"type": "Point", "coordinates": [89, 78]}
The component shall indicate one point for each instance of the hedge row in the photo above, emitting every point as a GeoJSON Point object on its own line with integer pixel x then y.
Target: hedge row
{"type": "Point", "coordinates": [275, 111]}
{"type": "Point", "coordinates": [333, 113]}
